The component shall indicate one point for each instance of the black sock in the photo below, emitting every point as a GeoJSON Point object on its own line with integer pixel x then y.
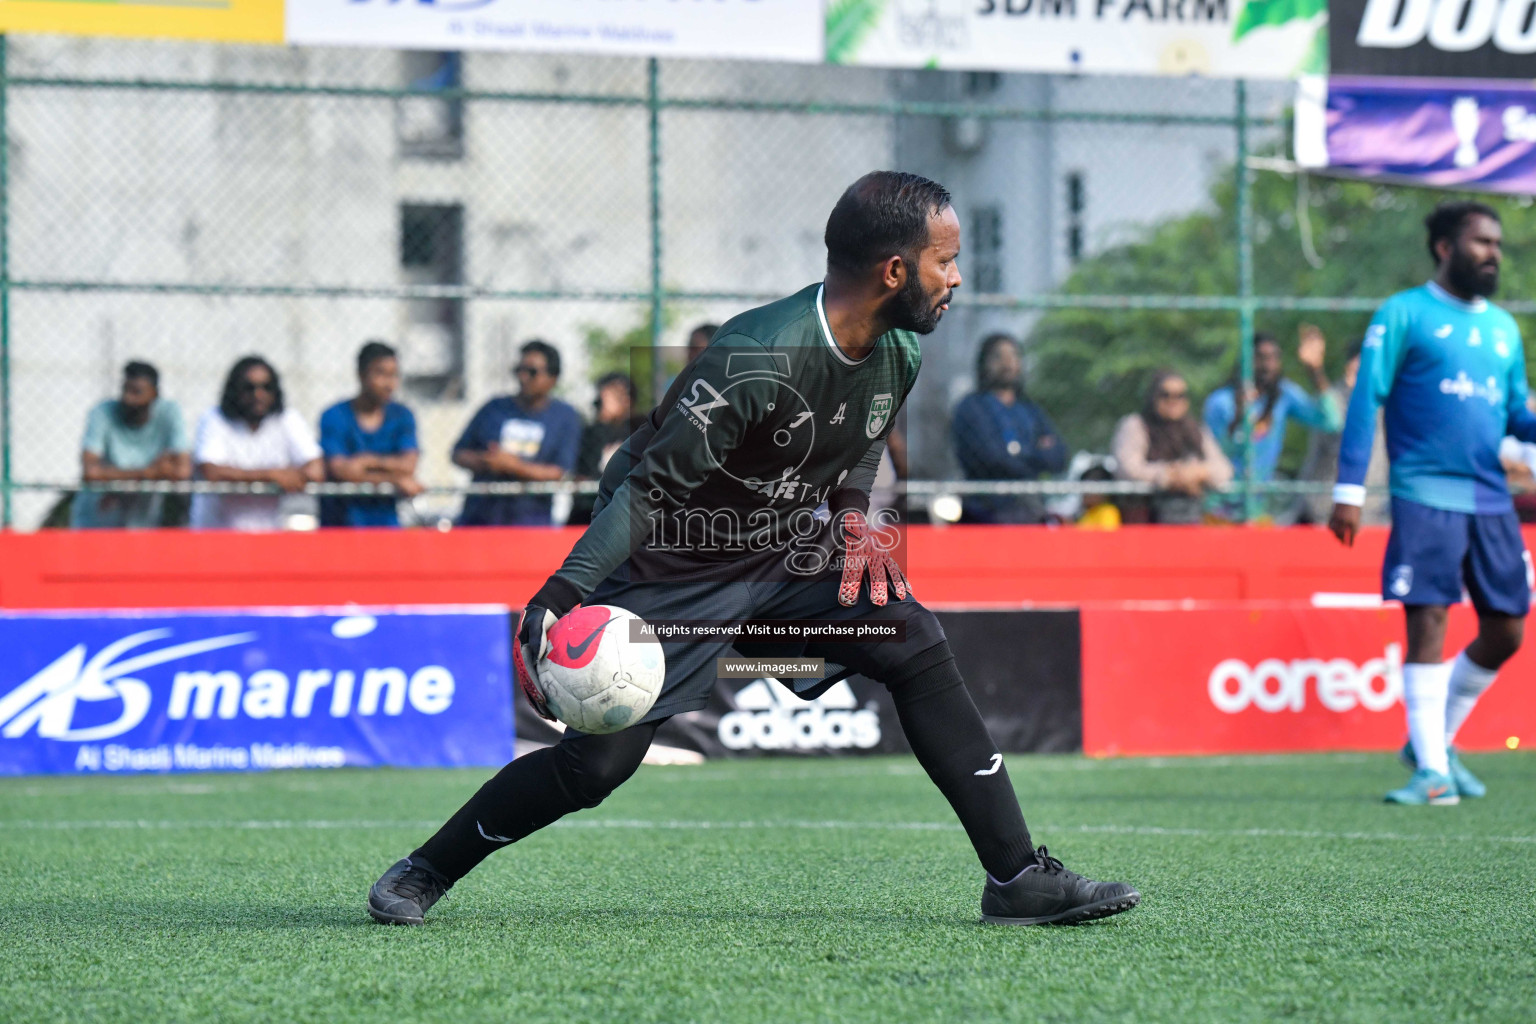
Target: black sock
{"type": "Point", "coordinates": [951, 742]}
{"type": "Point", "coordinates": [538, 788]}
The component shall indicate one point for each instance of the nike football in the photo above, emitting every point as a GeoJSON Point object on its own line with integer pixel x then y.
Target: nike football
{"type": "Point", "coordinates": [598, 674]}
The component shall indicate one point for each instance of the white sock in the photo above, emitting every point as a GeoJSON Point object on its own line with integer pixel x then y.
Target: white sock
{"type": "Point", "coordinates": [1425, 688]}
{"type": "Point", "coordinates": [1468, 681]}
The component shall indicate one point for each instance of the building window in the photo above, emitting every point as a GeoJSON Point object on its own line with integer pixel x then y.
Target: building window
{"type": "Point", "coordinates": [981, 83]}
{"type": "Point", "coordinates": [427, 127]}
{"type": "Point", "coordinates": [986, 245]}
{"type": "Point", "coordinates": [432, 253]}
{"type": "Point", "coordinates": [1076, 201]}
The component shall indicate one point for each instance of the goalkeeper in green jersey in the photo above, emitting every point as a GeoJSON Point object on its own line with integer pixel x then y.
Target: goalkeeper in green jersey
{"type": "Point", "coordinates": [745, 495]}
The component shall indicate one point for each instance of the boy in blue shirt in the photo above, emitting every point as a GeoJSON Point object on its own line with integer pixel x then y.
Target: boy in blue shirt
{"type": "Point", "coordinates": [370, 439]}
{"type": "Point", "coordinates": [1449, 368]}
{"type": "Point", "coordinates": [531, 436]}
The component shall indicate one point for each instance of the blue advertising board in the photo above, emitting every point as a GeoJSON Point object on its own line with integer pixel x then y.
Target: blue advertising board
{"type": "Point", "coordinates": [1445, 134]}
{"type": "Point", "coordinates": [131, 692]}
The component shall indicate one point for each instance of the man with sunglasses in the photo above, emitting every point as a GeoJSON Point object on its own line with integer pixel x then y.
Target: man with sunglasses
{"type": "Point", "coordinates": [531, 436]}
{"type": "Point", "coordinates": [252, 438]}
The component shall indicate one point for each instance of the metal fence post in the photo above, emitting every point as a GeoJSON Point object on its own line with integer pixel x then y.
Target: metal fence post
{"type": "Point", "coordinates": [1245, 300]}
{"type": "Point", "coordinates": [653, 108]}
{"type": "Point", "coordinates": [5, 293]}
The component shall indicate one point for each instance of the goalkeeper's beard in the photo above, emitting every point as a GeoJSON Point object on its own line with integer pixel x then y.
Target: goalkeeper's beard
{"type": "Point", "coordinates": [914, 308]}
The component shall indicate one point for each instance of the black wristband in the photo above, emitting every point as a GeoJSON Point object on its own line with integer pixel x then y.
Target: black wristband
{"type": "Point", "coordinates": [845, 498]}
{"type": "Point", "coordinates": [558, 594]}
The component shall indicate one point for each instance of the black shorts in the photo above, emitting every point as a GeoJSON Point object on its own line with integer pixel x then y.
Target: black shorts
{"type": "Point", "coordinates": [691, 663]}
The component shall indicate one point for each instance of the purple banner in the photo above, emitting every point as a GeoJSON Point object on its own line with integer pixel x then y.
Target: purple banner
{"type": "Point", "coordinates": [1477, 135]}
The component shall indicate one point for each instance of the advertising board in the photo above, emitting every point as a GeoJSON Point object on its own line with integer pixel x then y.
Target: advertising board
{"type": "Point", "coordinates": [243, 21]}
{"type": "Point", "coordinates": [1247, 38]}
{"type": "Point", "coordinates": [185, 691]}
{"type": "Point", "coordinates": [1218, 679]}
{"type": "Point", "coordinates": [1433, 38]}
{"type": "Point", "coordinates": [1446, 134]}
{"type": "Point", "coordinates": [788, 30]}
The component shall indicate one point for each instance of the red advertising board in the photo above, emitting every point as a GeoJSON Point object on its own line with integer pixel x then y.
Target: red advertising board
{"type": "Point", "coordinates": [999, 567]}
{"type": "Point", "coordinates": [1211, 678]}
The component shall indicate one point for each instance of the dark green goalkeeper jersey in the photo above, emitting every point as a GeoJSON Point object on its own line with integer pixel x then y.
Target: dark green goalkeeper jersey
{"type": "Point", "coordinates": [750, 439]}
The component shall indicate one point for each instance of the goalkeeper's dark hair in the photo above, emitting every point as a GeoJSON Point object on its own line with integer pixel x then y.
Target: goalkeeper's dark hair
{"type": "Point", "coordinates": [1447, 220]}
{"type": "Point", "coordinates": [372, 352]}
{"type": "Point", "coordinates": [139, 370]}
{"type": "Point", "coordinates": [229, 401]}
{"type": "Point", "coordinates": [883, 214]}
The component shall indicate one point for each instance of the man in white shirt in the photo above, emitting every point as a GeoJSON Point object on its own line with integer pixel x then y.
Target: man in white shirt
{"type": "Point", "coordinates": [252, 438]}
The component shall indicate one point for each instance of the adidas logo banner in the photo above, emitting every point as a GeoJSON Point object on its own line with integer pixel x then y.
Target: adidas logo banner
{"type": "Point", "coordinates": [182, 691]}
{"type": "Point", "coordinates": [768, 716]}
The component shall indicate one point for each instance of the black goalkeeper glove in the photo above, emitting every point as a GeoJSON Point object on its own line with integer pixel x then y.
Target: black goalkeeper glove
{"type": "Point", "coordinates": [555, 598]}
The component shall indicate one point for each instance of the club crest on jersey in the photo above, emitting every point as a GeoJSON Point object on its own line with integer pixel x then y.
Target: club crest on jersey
{"type": "Point", "coordinates": [879, 414]}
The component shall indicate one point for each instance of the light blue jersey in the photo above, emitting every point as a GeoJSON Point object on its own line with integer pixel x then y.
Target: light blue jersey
{"type": "Point", "coordinates": [1451, 376]}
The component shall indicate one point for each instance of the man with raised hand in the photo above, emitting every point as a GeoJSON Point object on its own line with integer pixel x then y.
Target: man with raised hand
{"type": "Point", "coordinates": [1449, 368]}
{"type": "Point", "coordinates": [710, 510]}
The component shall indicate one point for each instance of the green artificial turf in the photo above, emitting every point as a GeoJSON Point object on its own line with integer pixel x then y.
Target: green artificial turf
{"type": "Point", "coordinates": [776, 890]}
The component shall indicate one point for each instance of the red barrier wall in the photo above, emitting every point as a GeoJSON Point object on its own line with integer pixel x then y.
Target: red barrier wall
{"type": "Point", "coordinates": [975, 566]}
{"type": "Point", "coordinates": [1245, 678]}
{"type": "Point", "coordinates": [1146, 671]}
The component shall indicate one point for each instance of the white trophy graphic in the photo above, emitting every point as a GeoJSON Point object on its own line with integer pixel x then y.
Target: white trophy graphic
{"type": "Point", "coordinates": [1465, 120]}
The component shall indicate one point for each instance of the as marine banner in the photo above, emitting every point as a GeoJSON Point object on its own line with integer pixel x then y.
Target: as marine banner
{"type": "Point", "coordinates": [787, 30]}
{"type": "Point", "coordinates": [121, 693]}
{"type": "Point", "coordinates": [248, 21]}
{"type": "Point", "coordinates": [1246, 38]}
{"type": "Point", "coordinates": [1446, 134]}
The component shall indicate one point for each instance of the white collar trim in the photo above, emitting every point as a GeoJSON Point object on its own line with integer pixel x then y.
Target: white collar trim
{"type": "Point", "coordinates": [1477, 305]}
{"type": "Point", "coordinates": [826, 332]}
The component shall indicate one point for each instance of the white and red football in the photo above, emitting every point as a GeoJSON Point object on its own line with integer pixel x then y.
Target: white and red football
{"type": "Point", "coordinates": [598, 675]}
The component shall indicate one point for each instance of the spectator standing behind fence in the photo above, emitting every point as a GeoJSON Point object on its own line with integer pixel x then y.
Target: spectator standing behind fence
{"type": "Point", "coordinates": [1165, 446]}
{"type": "Point", "coordinates": [699, 339]}
{"type": "Point", "coordinates": [370, 439]}
{"type": "Point", "coordinates": [528, 437]}
{"type": "Point", "coordinates": [252, 438]}
{"type": "Point", "coordinates": [613, 421]}
{"type": "Point", "coordinates": [999, 434]}
{"type": "Point", "coordinates": [137, 436]}
{"type": "Point", "coordinates": [1270, 405]}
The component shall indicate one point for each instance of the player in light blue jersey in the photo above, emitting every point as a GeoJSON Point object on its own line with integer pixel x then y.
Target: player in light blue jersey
{"type": "Point", "coordinates": [1449, 368]}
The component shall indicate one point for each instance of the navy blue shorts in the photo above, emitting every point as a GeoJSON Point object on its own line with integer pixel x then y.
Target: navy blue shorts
{"type": "Point", "coordinates": [1432, 552]}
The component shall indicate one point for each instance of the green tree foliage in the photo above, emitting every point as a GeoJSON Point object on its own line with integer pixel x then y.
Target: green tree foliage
{"type": "Point", "coordinates": [1092, 366]}
{"type": "Point", "coordinates": [631, 352]}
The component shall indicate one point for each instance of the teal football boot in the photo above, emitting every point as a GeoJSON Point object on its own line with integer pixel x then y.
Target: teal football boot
{"type": "Point", "coordinates": [1426, 787]}
{"type": "Point", "coordinates": [1467, 784]}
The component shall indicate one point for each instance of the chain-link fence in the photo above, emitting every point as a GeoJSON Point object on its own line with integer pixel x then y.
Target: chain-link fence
{"type": "Point", "coordinates": [188, 204]}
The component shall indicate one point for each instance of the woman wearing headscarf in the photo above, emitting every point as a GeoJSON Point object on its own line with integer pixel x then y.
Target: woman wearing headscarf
{"type": "Point", "coordinates": [1165, 446]}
